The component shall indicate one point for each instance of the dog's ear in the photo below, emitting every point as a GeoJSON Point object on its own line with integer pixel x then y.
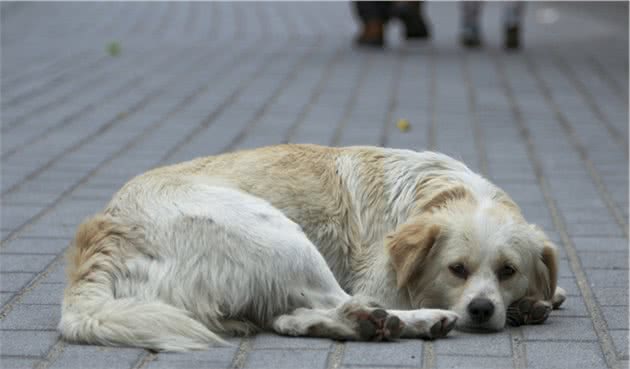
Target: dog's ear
{"type": "Point", "coordinates": [409, 245]}
{"type": "Point", "coordinates": [545, 277]}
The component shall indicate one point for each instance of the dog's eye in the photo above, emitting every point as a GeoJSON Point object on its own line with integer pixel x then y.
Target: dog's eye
{"type": "Point", "coordinates": [459, 270]}
{"type": "Point", "coordinates": [506, 272]}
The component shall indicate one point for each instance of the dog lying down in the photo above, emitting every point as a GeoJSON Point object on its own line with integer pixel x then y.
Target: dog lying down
{"type": "Point", "coordinates": [356, 243]}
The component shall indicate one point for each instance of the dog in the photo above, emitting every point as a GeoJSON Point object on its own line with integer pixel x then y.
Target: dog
{"type": "Point", "coordinates": [355, 243]}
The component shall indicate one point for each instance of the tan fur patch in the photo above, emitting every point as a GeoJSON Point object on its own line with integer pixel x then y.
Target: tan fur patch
{"type": "Point", "coordinates": [409, 247]}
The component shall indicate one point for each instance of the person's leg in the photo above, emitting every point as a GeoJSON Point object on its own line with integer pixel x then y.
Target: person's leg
{"type": "Point", "coordinates": [470, 33]}
{"type": "Point", "coordinates": [410, 13]}
{"type": "Point", "coordinates": [373, 15]}
{"type": "Point", "coordinates": [512, 23]}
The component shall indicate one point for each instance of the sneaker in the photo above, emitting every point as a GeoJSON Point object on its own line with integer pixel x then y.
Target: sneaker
{"type": "Point", "coordinates": [470, 37]}
{"type": "Point", "coordinates": [372, 34]}
{"type": "Point", "coordinates": [512, 37]}
{"type": "Point", "coordinates": [411, 16]}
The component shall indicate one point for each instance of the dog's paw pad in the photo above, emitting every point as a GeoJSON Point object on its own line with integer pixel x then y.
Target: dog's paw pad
{"type": "Point", "coordinates": [377, 325]}
{"type": "Point", "coordinates": [528, 311]}
{"type": "Point", "coordinates": [442, 327]}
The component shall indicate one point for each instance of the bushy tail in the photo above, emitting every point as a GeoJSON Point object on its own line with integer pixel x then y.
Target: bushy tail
{"type": "Point", "coordinates": [91, 313]}
{"type": "Point", "coordinates": [128, 322]}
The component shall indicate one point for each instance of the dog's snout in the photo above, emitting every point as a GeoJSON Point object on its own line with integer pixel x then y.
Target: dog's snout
{"type": "Point", "coordinates": [480, 310]}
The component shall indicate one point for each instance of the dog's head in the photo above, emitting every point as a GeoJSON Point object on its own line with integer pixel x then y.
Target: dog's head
{"type": "Point", "coordinates": [473, 257]}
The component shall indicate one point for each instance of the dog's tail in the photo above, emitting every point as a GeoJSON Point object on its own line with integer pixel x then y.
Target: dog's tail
{"type": "Point", "coordinates": [92, 314]}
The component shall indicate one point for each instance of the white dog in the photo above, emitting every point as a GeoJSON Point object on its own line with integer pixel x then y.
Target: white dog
{"type": "Point", "coordinates": [305, 240]}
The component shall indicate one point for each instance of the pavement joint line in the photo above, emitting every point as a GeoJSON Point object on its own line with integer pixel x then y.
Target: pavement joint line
{"type": "Point", "coordinates": [333, 361]}
{"type": "Point", "coordinates": [138, 106]}
{"type": "Point", "coordinates": [428, 354]}
{"type": "Point", "coordinates": [13, 234]}
{"type": "Point", "coordinates": [220, 108]}
{"type": "Point", "coordinates": [366, 64]}
{"type": "Point", "coordinates": [94, 170]}
{"type": "Point", "coordinates": [392, 104]}
{"type": "Point", "coordinates": [19, 357]}
{"type": "Point", "coordinates": [610, 81]}
{"type": "Point", "coordinates": [597, 318]}
{"type": "Point", "coordinates": [284, 83]}
{"type": "Point", "coordinates": [579, 147]}
{"type": "Point", "coordinates": [53, 354]}
{"type": "Point", "coordinates": [70, 118]}
{"type": "Point", "coordinates": [570, 74]}
{"type": "Point", "coordinates": [240, 358]}
{"type": "Point", "coordinates": [519, 351]}
{"type": "Point", "coordinates": [144, 359]}
{"type": "Point", "coordinates": [317, 91]}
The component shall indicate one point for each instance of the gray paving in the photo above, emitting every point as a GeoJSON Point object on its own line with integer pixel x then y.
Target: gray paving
{"type": "Point", "coordinates": [549, 124]}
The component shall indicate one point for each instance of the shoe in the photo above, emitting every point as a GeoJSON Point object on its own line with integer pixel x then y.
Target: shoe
{"type": "Point", "coordinates": [470, 37]}
{"type": "Point", "coordinates": [512, 38]}
{"type": "Point", "coordinates": [372, 34]}
{"type": "Point", "coordinates": [411, 16]}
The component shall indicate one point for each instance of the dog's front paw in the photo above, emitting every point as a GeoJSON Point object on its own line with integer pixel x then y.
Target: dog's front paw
{"type": "Point", "coordinates": [431, 323]}
{"type": "Point", "coordinates": [374, 324]}
{"type": "Point", "coordinates": [558, 297]}
{"type": "Point", "coordinates": [528, 311]}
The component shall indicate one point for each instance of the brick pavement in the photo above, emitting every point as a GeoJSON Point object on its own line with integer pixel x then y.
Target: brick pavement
{"type": "Point", "coordinates": [549, 125]}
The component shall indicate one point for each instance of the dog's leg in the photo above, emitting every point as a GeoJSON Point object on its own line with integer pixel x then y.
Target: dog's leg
{"type": "Point", "coordinates": [426, 323]}
{"type": "Point", "coordinates": [356, 319]}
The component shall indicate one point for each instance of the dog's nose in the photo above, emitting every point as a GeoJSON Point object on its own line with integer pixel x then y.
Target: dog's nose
{"type": "Point", "coordinates": [480, 310]}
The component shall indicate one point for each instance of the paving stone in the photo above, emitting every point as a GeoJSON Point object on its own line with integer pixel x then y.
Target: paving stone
{"type": "Point", "coordinates": [96, 357]}
{"type": "Point", "coordinates": [405, 353]}
{"type": "Point", "coordinates": [287, 358]}
{"type": "Point", "coordinates": [5, 297]}
{"type": "Point", "coordinates": [270, 341]}
{"type": "Point", "coordinates": [559, 327]}
{"type": "Point", "coordinates": [17, 363]}
{"type": "Point", "coordinates": [620, 338]}
{"type": "Point", "coordinates": [13, 282]}
{"type": "Point", "coordinates": [600, 278]}
{"type": "Point", "coordinates": [616, 316]}
{"type": "Point", "coordinates": [45, 293]}
{"type": "Point", "coordinates": [456, 362]}
{"type": "Point", "coordinates": [460, 343]}
{"type": "Point", "coordinates": [40, 317]}
{"type": "Point", "coordinates": [564, 355]}
{"type": "Point", "coordinates": [604, 260]}
{"type": "Point", "coordinates": [600, 243]}
{"type": "Point", "coordinates": [572, 306]}
{"type": "Point", "coordinates": [570, 285]}
{"type": "Point", "coordinates": [27, 343]}
{"type": "Point", "coordinates": [36, 245]}
{"type": "Point", "coordinates": [595, 230]}
{"type": "Point", "coordinates": [612, 296]}
{"type": "Point", "coordinates": [24, 263]}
